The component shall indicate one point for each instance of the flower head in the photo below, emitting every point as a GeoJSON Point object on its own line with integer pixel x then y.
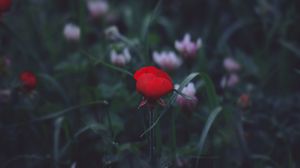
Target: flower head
{"type": "Point", "coordinates": [71, 32]}
{"type": "Point", "coordinates": [230, 81]}
{"type": "Point", "coordinates": [7, 61]}
{"type": "Point", "coordinates": [112, 33]}
{"type": "Point", "coordinates": [5, 95]}
{"type": "Point", "coordinates": [167, 60]}
{"type": "Point", "coordinates": [187, 47]}
{"type": "Point", "coordinates": [28, 80]}
{"type": "Point", "coordinates": [189, 91]}
{"type": "Point", "coordinates": [231, 65]}
{"type": "Point", "coordinates": [97, 8]}
{"type": "Point", "coordinates": [120, 59]}
{"type": "Point", "coordinates": [244, 101]}
{"type": "Point", "coordinates": [152, 83]}
{"type": "Point", "coordinates": [4, 5]}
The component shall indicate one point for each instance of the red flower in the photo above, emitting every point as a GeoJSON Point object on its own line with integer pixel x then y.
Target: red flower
{"type": "Point", "coordinates": [28, 80]}
{"type": "Point", "coordinates": [152, 83]}
{"type": "Point", "coordinates": [244, 101]}
{"type": "Point", "coordinates": [4, 5]}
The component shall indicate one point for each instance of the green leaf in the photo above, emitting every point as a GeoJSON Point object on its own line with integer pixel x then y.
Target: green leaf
{"type": "Point", "coordinates": [149, 19]}
{"type": "Point", "coordinates": [213, 115]}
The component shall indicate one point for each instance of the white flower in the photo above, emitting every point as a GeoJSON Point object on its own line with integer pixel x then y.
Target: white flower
{"type": "Point", "coordinates": [71, 32]}
{"type": "Point", "coordinates": [167, 60]}
{"type": "Point", "coordinates": [230, 81]}
{"type": "Point", "coordinates": [120, 59]}
{"type": "Point", "coordinates": [231, 64]}
{"type": "Point", "coordinates": [5, 95]}
{"type": "Point", "coordinates": [190, 92]}
{"type": "Point", "coordinates": [73, 165]}
{"type": "Point", "coordinates": [187, 47]}
{"type": "Point", "coordinates": [112, 33]}
{"type": "Point", "coordinates": [97, 8]}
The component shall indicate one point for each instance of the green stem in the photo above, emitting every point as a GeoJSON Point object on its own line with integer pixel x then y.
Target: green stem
{"type": "Point", "coordinates": [240, 135]}
{"type": "Point", "coordinates": [151, 139]}
{"type": "Point", "coordinates": [57, 129]}
{"type": "Point", "coordinates": [110, 125]}
{"type": "Point", "coordinates": [173, 122]}
{"type": "Point", "coordinates": [158, 137]}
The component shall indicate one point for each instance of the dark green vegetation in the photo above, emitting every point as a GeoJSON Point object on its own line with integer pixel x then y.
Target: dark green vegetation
{"type": "Point", "coordinates": [84, 109]}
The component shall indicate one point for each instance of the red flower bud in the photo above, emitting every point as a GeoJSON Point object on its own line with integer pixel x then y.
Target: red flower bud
{"type": "Point", "coordinates": [244, 101]}
{"type": "Point", "coordinates": [28, 80]}
{"type": "Point", "coordinates": [4, 5]}
{"type": "Point", "coordinates": [152, 83]}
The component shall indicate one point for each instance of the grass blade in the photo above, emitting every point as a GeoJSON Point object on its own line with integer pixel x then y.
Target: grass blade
{"type": "Point", "coordinates": [110, 66]}
{"type": "Point", "coordinates": [211, 118]}
{"type": "Point", "coordinates": [57, 126]}
{"type": "Point", "coordinates": [210, 91]}
{"type": "Point", "coordinates": [63, 112]}
{"type": "Point", "coordinates": [50, 79]}
{"type": "Point", "coordinates": [290, 47]}
{"type": "Point", "coordinates": [78, 133]}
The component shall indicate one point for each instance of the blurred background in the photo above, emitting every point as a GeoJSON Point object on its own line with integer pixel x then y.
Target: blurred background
{"type": "Point", "coordinates": [68, 98]}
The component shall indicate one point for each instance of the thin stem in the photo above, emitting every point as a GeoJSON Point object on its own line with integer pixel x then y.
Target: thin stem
{"type": "Point", "coordinates": [110, 125]}
{"type": "Point", "coordinates": [157, 137]}
{"type": "Point", "coordinates": [151, 139]}
{"type": "Point", "coordinates": [173, 122]}
{"type": "Point", "coordinates": [240, 135]}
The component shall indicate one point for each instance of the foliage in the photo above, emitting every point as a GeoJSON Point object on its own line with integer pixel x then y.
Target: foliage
{"type": "Point", "coordinates": [84, 110]}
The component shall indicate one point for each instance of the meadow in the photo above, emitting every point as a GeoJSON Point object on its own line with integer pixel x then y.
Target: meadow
{"type": "Point", "coordinates": [149, 84]}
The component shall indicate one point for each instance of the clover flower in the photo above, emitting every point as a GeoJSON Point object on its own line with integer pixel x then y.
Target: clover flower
{"type": "Point", "coordinates": [97, 8]}
{"type": "Point", "coordinates": [5, 95]}
{"type": "Point", "coordinates": [71, 32]}
{"type": "Point", "coordinates": [187, 47]}
{"type": "Point", "coordinates": [190, 101]}
{"type": "Point", "coordinates": [167, 60]}
{"type": "Point", "coordinates": [231, 65]}
{"type": "Point", "coordinates": [120, 59]}
{"type": "Point", "coordinates": [230, 81]}
{"type": "Point", "coordinates": [4, 6]}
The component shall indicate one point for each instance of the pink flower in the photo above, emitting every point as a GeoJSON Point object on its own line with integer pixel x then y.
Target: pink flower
{"type": "Point", "coordinates": [231, 65]}
{"type": "Point", "coordinates": [188, 48]}
{"type": "Point", "coordinates": [120, 59]}
{"type": "Point", "coordinates": [97, 8]}
{"type": "Point", "coordinates": [73, 165]}
{"type": "Point", "coordinates": [167, 60]}
{"type": "Point", "coordinates": [190, 92]}
{"type": "Point", "coordinates": [230, 81]}
{"type": "Point", "coordinates": [71, 32]}
{"type": "Point", "coordinates": [5, 95]}
{"type": "Point", "coordinates": [7, 61]}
